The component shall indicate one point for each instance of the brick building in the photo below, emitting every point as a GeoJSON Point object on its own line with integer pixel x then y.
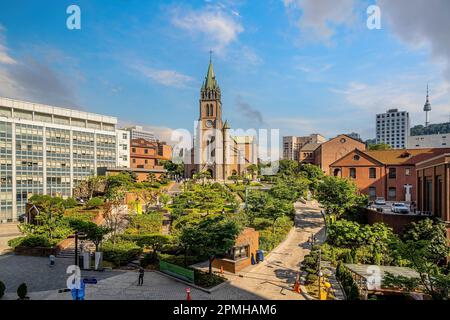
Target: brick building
{"type": "Point", "coordinates": [328, 152]}
{"type": "Point", "coordinates": [433, 187]}
{"type": "Point", "coordinates": [389, 173]}
{"type": "Point", "coordinates": [239, 257]}
{"type": "Point", "coordinates": [148, 154]}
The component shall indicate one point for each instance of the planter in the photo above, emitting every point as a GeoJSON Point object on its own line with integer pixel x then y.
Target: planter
{"type": "Point", "coordinates": [36, 251]}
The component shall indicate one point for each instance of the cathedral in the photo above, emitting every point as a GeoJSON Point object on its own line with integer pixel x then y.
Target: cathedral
{"type": "Point", "coordinates": [215, 149]}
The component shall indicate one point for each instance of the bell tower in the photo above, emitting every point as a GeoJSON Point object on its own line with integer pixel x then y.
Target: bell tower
{"type": "Point", "coordinates": [211, 126]}
{"type": "Point", "coordinates": [210, 101]}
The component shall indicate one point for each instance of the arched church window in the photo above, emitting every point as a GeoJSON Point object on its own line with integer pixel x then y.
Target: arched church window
{"type": "Point", "coordinates": [211, 110]}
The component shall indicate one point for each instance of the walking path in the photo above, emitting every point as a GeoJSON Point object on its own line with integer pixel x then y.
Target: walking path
{"type": "Point", "coordinates": [274, 278]}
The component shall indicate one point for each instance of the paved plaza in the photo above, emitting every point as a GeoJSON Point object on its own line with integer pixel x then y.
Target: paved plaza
{"type": "Point", "coordinates": [44, 282]}
{"type": "Point", "coordinates": [7, 231]}
{"type": "Point", "coordinates": [271, 279]}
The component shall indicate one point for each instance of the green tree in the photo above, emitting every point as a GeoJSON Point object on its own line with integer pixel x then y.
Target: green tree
{"type": "Point", "coordinates": [288, 167]}
{"type": "Point", "coordinates": [432, 278]}
{"type": "Point", "coordinates": [212, 236]}
{"type": "Point", "coordinates": [314, 175]}
{"type": "Point", "coordinates": [433, 231]}
{"type": "Point", "coordinates": [256, 204]}
{"type": "Point", "coordinates": [276, 209]}
{"type": "Point", "coordinates": [155, 242]}
{"type": "Point", "coordinates": [93, 232]}
{"type": "Point", "coordinates": [337, 195]}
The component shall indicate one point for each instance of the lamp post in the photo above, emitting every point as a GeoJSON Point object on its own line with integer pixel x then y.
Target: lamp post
{"type": "Point", "coordinates": [78, 235]}
{"type": "Point", "coordinates": [320, 271]}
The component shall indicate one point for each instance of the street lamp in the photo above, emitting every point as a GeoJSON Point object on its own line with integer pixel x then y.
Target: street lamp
{"type": "Point", "coordinates": [80, 235]}
{"type": "Point", "coordinates": [320, 271]}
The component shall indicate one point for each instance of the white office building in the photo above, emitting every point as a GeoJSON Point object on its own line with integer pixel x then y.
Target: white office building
{"type": "Point", "coordinates": [392, 128]}
{"type": "Point", "coordinates": [138, 132]}
{"type": "Point", "coordinates": [429, 141]}
{"type": "Point", "coordinates": [123, 148]}
{"type": "Point", "coordinates": [49, 150]}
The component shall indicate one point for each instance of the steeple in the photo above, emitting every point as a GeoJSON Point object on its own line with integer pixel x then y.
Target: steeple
{"type": "Point", "coordinates": [210, 88]}
{"type": "Point", "coordinates": [427, 108]}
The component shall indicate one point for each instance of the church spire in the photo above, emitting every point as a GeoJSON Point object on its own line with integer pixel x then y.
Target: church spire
{"type": "Point", "coordinates": [210, 87]}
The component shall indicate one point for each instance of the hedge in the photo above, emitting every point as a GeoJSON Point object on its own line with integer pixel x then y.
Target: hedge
{"type": "Point", "coordinates": [33, 241]}
{"type": "Point", "coordinates": [121, 252]}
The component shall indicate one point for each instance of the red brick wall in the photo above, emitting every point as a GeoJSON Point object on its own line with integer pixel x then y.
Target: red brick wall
{"type": "Point", "coordinates": [334, 149]}
{"type": "Point", "coordinates": [397, 222]}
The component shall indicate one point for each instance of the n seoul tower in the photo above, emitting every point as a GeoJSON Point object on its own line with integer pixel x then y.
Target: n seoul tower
{"type": "Point", "coordinates": [427, 109]}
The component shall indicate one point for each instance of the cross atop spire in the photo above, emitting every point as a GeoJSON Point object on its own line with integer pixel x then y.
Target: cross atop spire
{"type": "Point", "coordinates": [210, 55]}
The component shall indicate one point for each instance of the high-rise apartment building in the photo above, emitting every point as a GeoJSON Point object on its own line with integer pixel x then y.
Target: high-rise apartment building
{"type": "Point", "coordinates": [49, 150]}
{"type": "Point", "coordinates": [292, 145]}
{"type": "Point", "coordinates": [392, 128]}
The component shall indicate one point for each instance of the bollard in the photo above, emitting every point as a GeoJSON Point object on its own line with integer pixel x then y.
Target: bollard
{"type": "Point", "coordinates": [297, 284]}
{"type": "Point", "coordinates": [221, 269]}
{"type": "Point", "coordinates": [188, 293]}
{"type": "Point", "coordinates": [52, 260]}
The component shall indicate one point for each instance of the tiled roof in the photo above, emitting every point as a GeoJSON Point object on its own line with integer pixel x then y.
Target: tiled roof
{"type": "Point", "coordinates": [310, 147]}
{"type": "Point", "coordinates": [405, 156]}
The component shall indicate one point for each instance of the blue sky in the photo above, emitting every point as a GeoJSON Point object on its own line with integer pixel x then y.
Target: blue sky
{"type": "Point", "coordinates": [302, 66]}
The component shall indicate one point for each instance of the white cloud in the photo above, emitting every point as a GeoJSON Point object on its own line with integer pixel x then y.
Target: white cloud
{"type": "Point", "coordinates": [369, 99]}
{"type": "Point", "coordinates": [31, 79]}
{"type": "Point", "coordinates": [5, 58]}
{"type": "Point", "coordinates": [214, 23]}
{"type": "Point", "coordinates": [421, 23]}
{"type": "Point", "coordinates": [168, 78]}
{"type": "Point", "coordinates": [319, 19]}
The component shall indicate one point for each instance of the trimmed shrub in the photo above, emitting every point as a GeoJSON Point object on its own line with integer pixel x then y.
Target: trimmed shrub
{"type": "Point", "coordinates": [94, 203]}
{"type": "Point", "coordinates": [121, 252]}
{"type": "Point", "coordinates": [145, 223]}
{"type": "Point", "coordinates": [70, 203]}
{"type": "Point", "coordinates": [32, 241]}
{"type": "Point", "coordinates": [22, 291]}
{"type": "Point", "coordinates": [2, 289]}
{"type": "Point", "coordinates": [15, 242]}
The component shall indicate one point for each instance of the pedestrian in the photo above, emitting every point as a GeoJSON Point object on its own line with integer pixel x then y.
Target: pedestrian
{"type": "Point", "coordinates": [141, 276]}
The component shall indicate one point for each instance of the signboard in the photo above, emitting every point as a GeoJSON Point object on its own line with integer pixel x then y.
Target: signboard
{"type": "Point", "coordinates": [177, 271]}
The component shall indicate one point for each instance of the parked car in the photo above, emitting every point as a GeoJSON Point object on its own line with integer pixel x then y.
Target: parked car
{"type": "Point", "coordinates": [399, 208]}
{"type": "Point", "coordinates": [379, 201]}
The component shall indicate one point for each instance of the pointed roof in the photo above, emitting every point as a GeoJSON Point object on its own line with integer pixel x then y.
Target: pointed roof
{"type": "Point", "coordinates": [210, 80]}
{"type": "Point", "coordinates": [226, 125]}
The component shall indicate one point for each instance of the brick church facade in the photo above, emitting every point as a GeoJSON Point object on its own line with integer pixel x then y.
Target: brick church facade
{"type": "Point", "coordinates": [216, 150]}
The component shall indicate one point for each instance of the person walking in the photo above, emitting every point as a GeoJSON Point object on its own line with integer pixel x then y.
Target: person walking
{"type": "Point", "coordinates": [141, 276]}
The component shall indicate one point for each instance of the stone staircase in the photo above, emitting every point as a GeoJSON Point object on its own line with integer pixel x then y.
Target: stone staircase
{"type": "Point", "coordinates": [69, 251]}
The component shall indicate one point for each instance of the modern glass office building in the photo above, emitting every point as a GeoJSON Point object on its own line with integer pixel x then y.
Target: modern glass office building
{"type": "Point", "coordinates": [49, 150]}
